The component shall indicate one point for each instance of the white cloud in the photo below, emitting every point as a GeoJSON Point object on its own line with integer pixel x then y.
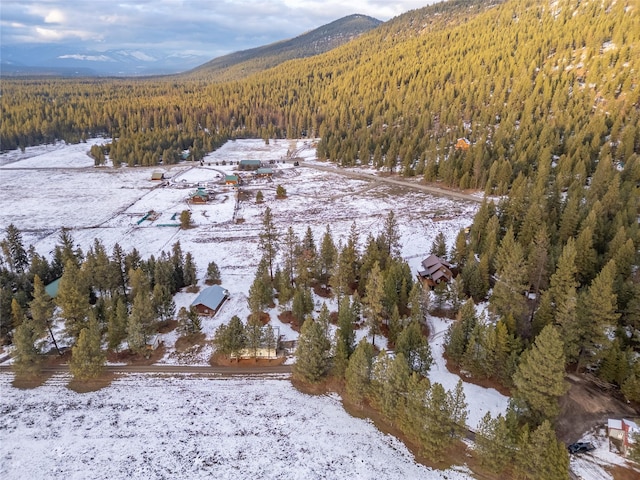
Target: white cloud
{"type": "Point", "coordinates": [55, 16]}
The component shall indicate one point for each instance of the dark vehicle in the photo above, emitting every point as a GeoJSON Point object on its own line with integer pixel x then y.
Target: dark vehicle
{"type": "Point", "coordinates": [580, 447]}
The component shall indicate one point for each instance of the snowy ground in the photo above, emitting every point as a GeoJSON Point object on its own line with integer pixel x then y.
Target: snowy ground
{"type": "Point", "coordinates": [166, 428]}
{"type": "Point", "coordinates": [51, 186]}
{"type": "Point", "coordinates": [594, 464]}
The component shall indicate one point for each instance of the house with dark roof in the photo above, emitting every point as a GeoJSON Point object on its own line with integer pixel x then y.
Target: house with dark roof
{"type": "Point", "coordinates": [435, 271]}
{"type": "Point", "coordinates": [209, 300]}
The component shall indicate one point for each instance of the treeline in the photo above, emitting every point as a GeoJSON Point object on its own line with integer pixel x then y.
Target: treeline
{"type": "Point", "coordinates": [551, 84]}
{"type": "Point", "coordinates": [117, 297]}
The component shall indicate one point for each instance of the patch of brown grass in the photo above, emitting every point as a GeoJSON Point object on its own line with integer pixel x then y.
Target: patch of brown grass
{"type": "Point", "coordinates": [29, 382]}
{"type": "Point", "coordinates": [287, 317]}
{"type": "Point", "coordinates": [626, 472]}
{"type": "Point", "coordinates": [218, 360]}
{"type": "Point", "coordinates": [167, 326]}
{"type": "Point", "coordinates": [193, 289]}
{"type": "Point", "coordinates": [187, 342]}
{"type": "Point", "coordinates": [93, 385]}
{"type": "Point", "coordinates": [131, 358]}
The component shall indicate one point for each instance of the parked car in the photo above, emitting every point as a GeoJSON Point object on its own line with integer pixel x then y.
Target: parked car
{"type": "Point", "coordinates": [580, 447]}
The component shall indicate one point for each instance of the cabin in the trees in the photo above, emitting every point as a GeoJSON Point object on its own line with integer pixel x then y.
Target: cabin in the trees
{"type": "Point", "coordinates": [435, 271]}
{"type": "Point", "coordinates": [250, 164]}
{"type": "Point", "coordinates": [157, 176]}
{"type": "Point", "coordinates": [209, 301]}
{"type": "Point", "coordinates": [622, 433]}
{"type": "Point", "coordinates": [463, 144]}
{"type": "Point", "coordinates": [200, 196]}
{"type": "Point", "coordinates": [231, 180]}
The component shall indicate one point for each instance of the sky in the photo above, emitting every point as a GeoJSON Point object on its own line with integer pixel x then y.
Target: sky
{"type": "Point", "coordinates": [198, 27]}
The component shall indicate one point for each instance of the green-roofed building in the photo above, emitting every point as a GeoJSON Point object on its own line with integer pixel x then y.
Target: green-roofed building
{"type": "Point", "coordinates": [264, 172]}
{"type": "Point", "coordinates": [200, 196]}
{"type": "Point", "coordinates": [232, 180]}
{"type": "Point", "coordinates": [52, 288]}
{"type": "Point", "coordinates": [250, 164]}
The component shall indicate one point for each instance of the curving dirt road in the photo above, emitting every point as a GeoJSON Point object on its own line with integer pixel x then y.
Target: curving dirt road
{"type": "Point", "coordinates": [395, 181]}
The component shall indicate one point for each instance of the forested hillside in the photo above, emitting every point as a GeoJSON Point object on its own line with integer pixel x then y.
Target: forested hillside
{"type": "Point", "coordinates": [241, 64]}
{"type": "Point", "coordinates": [546, 93]}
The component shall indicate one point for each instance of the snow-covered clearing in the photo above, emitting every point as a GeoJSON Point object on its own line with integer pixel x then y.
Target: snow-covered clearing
{"type": "Point", "coordinates": [148, 427]}
{"type": "Point", "coordinates": [192, 427]}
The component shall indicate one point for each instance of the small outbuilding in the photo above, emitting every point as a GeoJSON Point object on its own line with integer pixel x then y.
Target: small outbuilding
{"type": "Point", "coordinates": [209, 300]}
{"type": "Point", "coordinates": [623, 433]}
{"type": "Point", "coordinates": [157, 176]}
{"type": "Point", "coordinates": [435, 271]}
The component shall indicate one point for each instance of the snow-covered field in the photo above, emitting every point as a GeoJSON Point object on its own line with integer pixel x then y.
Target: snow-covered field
{"type": "Point", "coordinates": [148, 427]}
{"type": "Point", "coordinates": [145, 427]}
{"type": "Point", "coordinates": [49, 187]}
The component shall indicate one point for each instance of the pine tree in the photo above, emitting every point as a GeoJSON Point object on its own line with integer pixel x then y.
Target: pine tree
{"type": "Point", "coordinates": [390, 235]}
{"type": "Point", "coordinates": [511, 284]}
{"type": "Point", "coordinates": [459, 332]}
{"type": "Point", "coordinates": [42, 308]}
{"type": "Point", "coordinates": [493, 443]}
{"type": "Point", "coordinates": [163, 304]}
{"type": "Point", "coordinates": [439, 246]}
{"type": "Point", "coordinates": [391, 377]}
{"type": "Point", "coordinates": [539, 380]}
{"type": "Point", "coordinates": [269, 238]}
{"type": "Point", "coordinates": [231, 339]}
{"type": "Point", "coordinates": [213, 273]}
{"type": "Point", "coordinates": [87, 357]}
{"type": "Point", "coordinates": [436, 434]}
{"type": "Point", "coordinates": [185, 219]}
{"type": "Point", "coordinates": [254, 335]}
{"type": "Point", "coordinates": [190, 276]}
{"type": "Point", "coordinates": [189, 322]}
{"type": "Point", "coordinates": [73, 300]}
{"type": "Point", "coordinates": [358, 373]}
{"type": "Point", "coordinates": [327, 257]}
{"type": "Point", "coordinates": [564, 299]}
{"type": "Point", "coordinates": [117, 324]}
{"type": "Point", "coordinates": [26, 359]}
{"type": "Point", "coordinates": [17, 313]}
{"type": "Point", "coordinates": [13, 250]}
{"type": "Point", "coordinates": [373, 300]}
{"type": "Point", "coordinates": [598, 312]}
{"type": "Point", "coordinates": [415, 349]}
{"type": "Point", "coordinates": [312, 352]}
{"type": "Point", "coordinates": [541, 455]}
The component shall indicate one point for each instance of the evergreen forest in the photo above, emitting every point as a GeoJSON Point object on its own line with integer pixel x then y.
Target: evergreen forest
{"type": "Point", "coordinates": [547, 96]}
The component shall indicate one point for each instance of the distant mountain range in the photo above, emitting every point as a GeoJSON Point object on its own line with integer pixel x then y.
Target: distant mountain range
{"type": "Point", "coordinates": [241, 64]}
{"type": "Point", "coordinates": [32, 59]}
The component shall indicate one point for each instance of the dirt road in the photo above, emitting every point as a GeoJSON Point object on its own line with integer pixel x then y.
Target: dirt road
{"type": "Point", "coordinates": [395, 181]}
{"type": "Point", "coordinates": [178, 369]}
